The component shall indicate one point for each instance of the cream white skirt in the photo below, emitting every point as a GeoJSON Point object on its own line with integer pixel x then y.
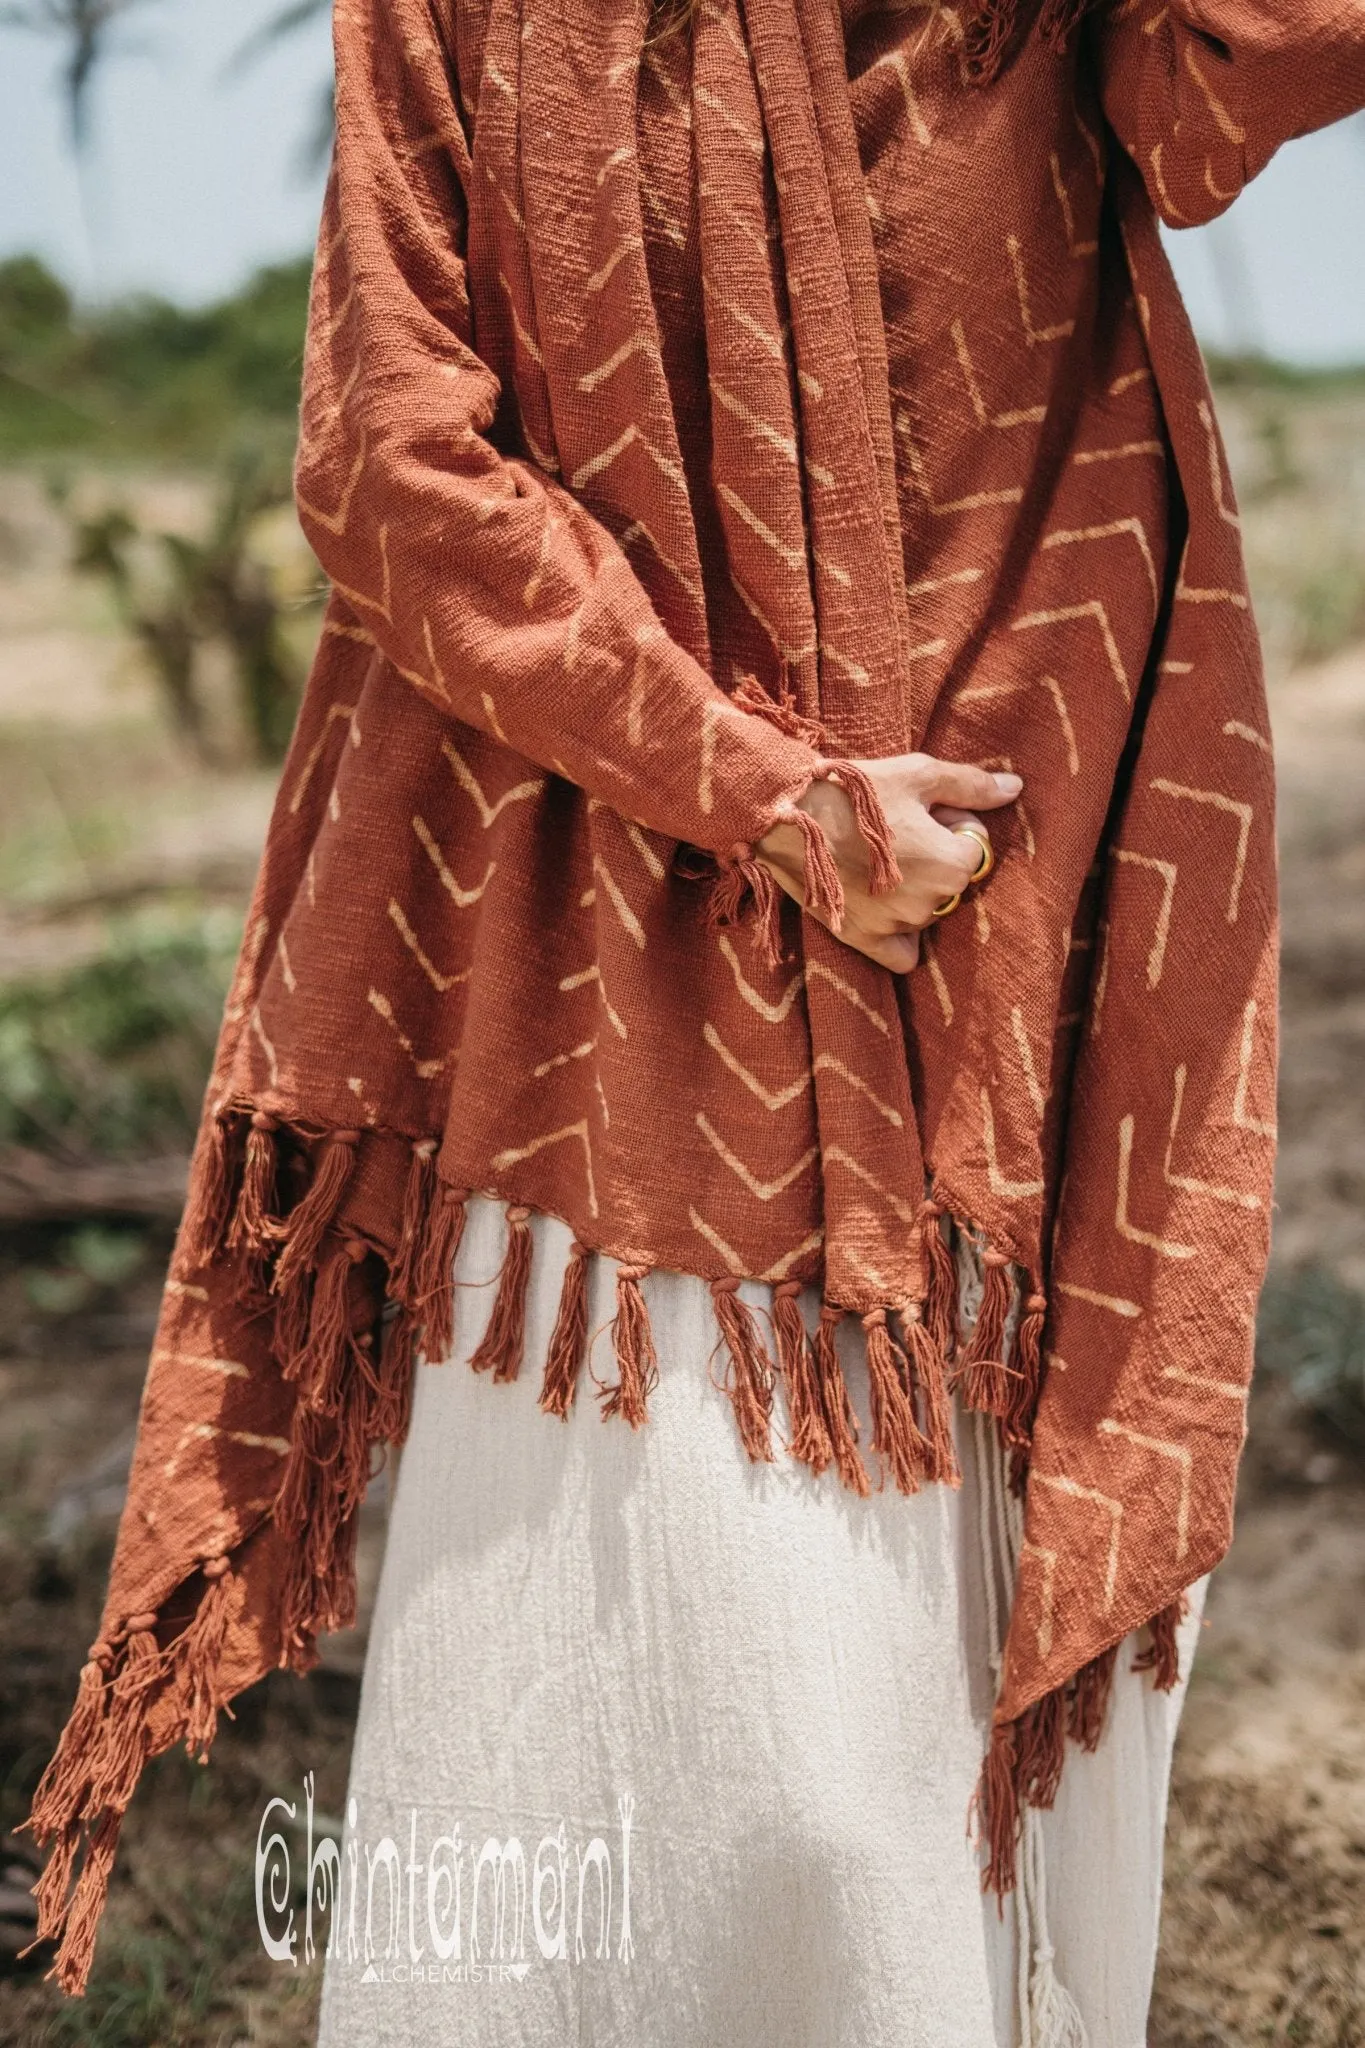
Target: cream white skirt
{"type": "Point", "coordinates": [659, 1748]}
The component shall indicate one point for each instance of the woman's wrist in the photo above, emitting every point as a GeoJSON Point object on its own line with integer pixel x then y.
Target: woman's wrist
{"type": "Point", "coordinates": [783, 847]}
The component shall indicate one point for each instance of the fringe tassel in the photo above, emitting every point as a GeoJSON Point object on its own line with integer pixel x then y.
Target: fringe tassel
{"type": "Point", "coordinates": [344, 1409]}
{"type": "Point", "coordinates": [1089, 1701]}
{"type": "Point", "coordinates": [929, 1376]}
{"type": "Point", "coordinates": [210, 1200]}
{"type": "Point", "coordinates": [200, 1649]}
{"type": "Point", "coordinates": [503, 1342]}
{"type": "Point", "coordinates": [307, 1222]}
{"type": "Point", "coordinates": [1040, 1749]}
{"type": "Point", "coordinates": [996, 1805]}
{"type": "Point", "coordinates": [569, 1338]}
{"type": "Point", "coordinates": [74, 1957]}
{"type": "Point", "coordinates": [53, 1886]}
{"type": "Point", "coordinates": [745, 884]}
{"type": "Point", "coordinates": [114, 1775]}
{"type": "Point", "coordinates": [940, 1282]}
{"type": "Point", "coordinates": [637, 1364]}
{"type": "Point", "coordinates": [255, 1227]}
{"type": "Point", "coordinates": [412, 1234]}
{"type": "Point", "coordinates": [63, 1785]}
{"type": "Point", "coordinates": [1027, 1383]}
{"type": "Point", "coordinates": [839, 1417]}
{"type": "Point", "coordinates": [824, 889]}
{"type": "Point", "coordinates": [432, 1294]}
{"type": "Point", "coordinates": [1024, 1762]}
{"type": "Point", "coordinates": [749, 695]}
{"type": "Point", "coordinates": [749, 1381]}
{"type": "Point", "coordinates": [317, 1504]}
{"type": "Point", "coordinates": [994, 30]}
{"type": "Point", "coordinates": [810, 1438]}
{"type": "Point", "coordinates": [397, 1359]}
{"type": "Point", "coordinates": [883, 870]}
{"type": "Point", "coordinates": [984, 1379]}
{"type": "Point", "coordinates": [318, 1362]}
{"type": "Point", "coordinates": [1162, 1654]}
{"type": "Point", "coordinates": [895, 1432]}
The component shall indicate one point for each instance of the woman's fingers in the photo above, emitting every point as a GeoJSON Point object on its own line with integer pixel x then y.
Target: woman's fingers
{"type": "Point", "coordinates": [956, 782]}
{"type": "Point", "coordinates": [898, 952]}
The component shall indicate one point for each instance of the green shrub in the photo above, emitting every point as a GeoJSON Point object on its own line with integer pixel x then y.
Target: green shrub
{"type": "Point", "coordinates": [111, 1057]}
{"type": "Point", "coordinates": [144, 376]}
{"type": "Point", "coordinates": [1311, 1333]}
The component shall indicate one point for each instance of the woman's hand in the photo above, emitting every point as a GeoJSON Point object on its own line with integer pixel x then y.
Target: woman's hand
{"type": "Point", "coordinates": [923, 799]}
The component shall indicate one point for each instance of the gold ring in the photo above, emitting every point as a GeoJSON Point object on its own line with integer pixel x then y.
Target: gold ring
{"type": "Point", "coordinates": [945, 909]}
{"type": "Point", "coordinates": [987, 850]}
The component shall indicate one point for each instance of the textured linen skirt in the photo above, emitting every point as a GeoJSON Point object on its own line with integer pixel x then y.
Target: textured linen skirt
{"type": "Point", "coordinates": [658, 1746]}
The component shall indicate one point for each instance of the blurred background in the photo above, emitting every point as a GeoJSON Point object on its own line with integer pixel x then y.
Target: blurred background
{"type": "Point", "coordinates": [160, 174]}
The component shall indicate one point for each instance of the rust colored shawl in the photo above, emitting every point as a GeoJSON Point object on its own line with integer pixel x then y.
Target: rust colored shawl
{"type": "Point", "coordinates": [690, 411]}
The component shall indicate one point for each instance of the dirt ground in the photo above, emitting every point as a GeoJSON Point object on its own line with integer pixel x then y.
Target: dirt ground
{"type": "Point", "coordinates": [1264, 1925]}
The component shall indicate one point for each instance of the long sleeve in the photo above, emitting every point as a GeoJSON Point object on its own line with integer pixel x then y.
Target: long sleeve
{"type": "Point", "coordinates": [478, 576]}
{"type": "Point", "coordinates": [1201, 93]}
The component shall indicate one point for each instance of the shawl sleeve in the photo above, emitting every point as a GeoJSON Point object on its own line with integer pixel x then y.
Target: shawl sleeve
{"type": "Point", "coordinates": [1201, 93]}
{"type": "Point", "coordinates": [477, 575]}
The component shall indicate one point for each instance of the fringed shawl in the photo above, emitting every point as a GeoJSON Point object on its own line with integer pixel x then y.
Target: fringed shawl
{"type": "Point", "coordinates": [691, 412]}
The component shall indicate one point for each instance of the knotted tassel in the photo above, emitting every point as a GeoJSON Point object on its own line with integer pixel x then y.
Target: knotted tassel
{"type": "Point", "coordinates": [500, 1348]}
{"type": "Point", "coordinates": [996, 1806]}
{"type": "Point", "coordinates": [1162, 1654]}
{"type": "Point", "coordinates": [318, 1362]}
{"type": "Point", "coordinates": [1053, 2012]}
{"type": "Point", "coordinates": [743, 884]}
{"type": "Point", "coordinates": [1089, 1701]}
{"type": "Point", "coordinates": [200, 1651]}
{"type": "Point", "coordinates": [77, 1952]}
{"type": "Point", "coordinates": [810, 1438]}
{"type": "Point", "coordinates": [940, 1282]}
{"type": "Point", "coordinates": [883, 870]}
{"type": "Point", "coordinates": [433, 1273]}
{"type": "Point", "coordinates": [749, 1380]}
{"type": "Point", "coordinates": [931, 1380]}
{"type": "Point", "coordinates": [824, 888]}
{"type": "Point", "coordinates": [637, 1364]}
{"type": "Point", "coordinates": [895, 1432]}
{"type": "Point", "coordinates": [569, 1338]}
{"type": "Point", "coordinates": [61, 1789]}
{"type": "Point", "coordinates": [982, 1376]}
{"type": "Point", "coordinates": [255, 1227]}
{"type": "Point", "coordinates": [834, 1398]}
{"type": "Point", "coordinates": [412, 1231]}
{"type": "Point", "coordinates": [124, 1751]}
{"type": "Point", "coordinates": [307, 1222]}
{"type": "Point", "coordinates": [209, 1204]}
{"type": "Point", "coordinates": [1028, 1369]}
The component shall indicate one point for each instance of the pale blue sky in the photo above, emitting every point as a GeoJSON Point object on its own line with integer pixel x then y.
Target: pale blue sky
{"type": "Point", "coordinates": [194, 181]}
